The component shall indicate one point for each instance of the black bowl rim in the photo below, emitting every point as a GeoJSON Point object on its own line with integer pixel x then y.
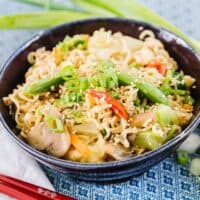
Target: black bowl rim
{"type": "Point", "coordinates": [89, 166]}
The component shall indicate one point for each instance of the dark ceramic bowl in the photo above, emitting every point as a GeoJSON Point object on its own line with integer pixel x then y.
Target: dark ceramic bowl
{"type": "Point", "coordinates": [13, 73]}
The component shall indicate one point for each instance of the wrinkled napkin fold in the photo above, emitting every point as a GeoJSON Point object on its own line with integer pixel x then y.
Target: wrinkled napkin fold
{"type": "Point", "coordinates": [15, 162]}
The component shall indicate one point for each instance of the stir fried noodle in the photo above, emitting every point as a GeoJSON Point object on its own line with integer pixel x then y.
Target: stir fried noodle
{"type": "Point", "coordinates": [102, 97]}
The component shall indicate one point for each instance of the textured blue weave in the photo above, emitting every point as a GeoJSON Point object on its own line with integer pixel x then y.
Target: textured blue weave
{"type": "Point", "coordinates": [166, 180]}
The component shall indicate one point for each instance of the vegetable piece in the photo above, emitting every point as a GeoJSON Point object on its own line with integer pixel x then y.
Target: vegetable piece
{"type": "Point", "coordinates": [40, 19]}
{"type": "Point", "coordinates": [110, 6]}
{"type": "Point", "coordinates": [70, 43]}
{"type": "Point", "coordinates": [195, 166]}
{"type": "Point", "coordinates": [162, 69]}
{"type": "Point", "coordinates": [67, 72]}
{"type": "Point", "coordinates": [115, 94]}
{"type": "Point", "coordinates": [104, 64]}
{"type": "Point", "coordinates": [117, 106]}
{"type": "Point", "coordinates": [80, 145]}
{"type": "Point", "coordinates": [75, 89]}
{"type": "Point", "coordinates": [84, 85]}
{"type": "Point", "coordinates": [149, 140]}
{"type": "Point", "coordinates": [150, 91]}
{"type": "Point", "coordinates": [72, 97]}
{"type": "Point", "coordinates": [49, 4]}
{"type": "Point", "coordinates": [93, 151]}
{"type": "Point", "coordinates": [179, 88]}
{"type": "Point", "coordinates": [107, 77]}
{"type": "Point", "coordinates": [188, 100]}
{"type": "Point", "coordinates": [172, 131]}
{"type": "Point", "coordinates": [125, 8]}
{"type": "Point", "coordinates": [86, 128]}
{"type": "Point", "coordinates": [168, 90]}
{"type": "Point", "coordinates": [91, 8]}
{"type": "Point", "coordinates": [182, 157]}
{"type": "Point", "coordinates": [43, 85]}
{"type": "Point", "coordinates": [103, 132]}
{"type": "Point", "coordinates": [54, 123]}
{"type": "Point", "coordinates": [94, 82]}
{"type": "Point", "coordinates": [179, 76]}
{"type": "Point", "coordinates": [141, 119]}
{"type": "Point", "coordinates": [166, 116]}
{"type": "Point", "coordinates": [46, 84]}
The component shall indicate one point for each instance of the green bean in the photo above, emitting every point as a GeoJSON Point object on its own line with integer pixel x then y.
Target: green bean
{"type": "Point", "coordinates": [169, 90]}
{"type": "Point", "coordinates": [150, 91]}
{"type": "Point", "coordinates": [43, 85]}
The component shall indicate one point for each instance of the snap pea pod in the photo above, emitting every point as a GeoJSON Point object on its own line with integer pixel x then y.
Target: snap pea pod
{"type": "Point", "coordinates": [44, 85]}
{"type": "Point", "coordinates": [150, 91]}
{"type": "Point", "coordinates": [169, 90]}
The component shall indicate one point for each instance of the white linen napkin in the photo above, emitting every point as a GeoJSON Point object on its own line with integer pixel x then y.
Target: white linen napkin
{"type": "Point", "coordinates": [15, 162]}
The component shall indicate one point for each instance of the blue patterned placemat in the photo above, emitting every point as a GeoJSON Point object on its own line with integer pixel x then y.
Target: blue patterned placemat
{"type": "Point", "coordinates": [167, 180]}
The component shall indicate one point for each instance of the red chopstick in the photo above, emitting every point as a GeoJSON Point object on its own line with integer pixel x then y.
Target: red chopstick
{"type": "Point", "coordinates": [18, 193]}
{"type": "Point", "coordinates": [13, 186]}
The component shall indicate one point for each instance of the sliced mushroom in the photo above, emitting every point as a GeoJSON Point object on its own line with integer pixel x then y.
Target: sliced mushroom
{"type": "Point", "coordinates": [142, 119]}
{"type": "Point", "coordinates": [43, 138]}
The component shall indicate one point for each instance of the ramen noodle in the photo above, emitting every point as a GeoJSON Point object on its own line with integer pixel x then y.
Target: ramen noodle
{"type": "Point", "coordinates": [102, 97]}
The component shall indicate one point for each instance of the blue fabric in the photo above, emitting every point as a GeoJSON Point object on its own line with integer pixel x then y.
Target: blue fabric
{"type": "Point", "coordinates": [166, 180]}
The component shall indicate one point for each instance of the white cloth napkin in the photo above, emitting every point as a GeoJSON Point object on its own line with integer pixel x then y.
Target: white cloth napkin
{"type": "Point", "coordinates": [17, 163]}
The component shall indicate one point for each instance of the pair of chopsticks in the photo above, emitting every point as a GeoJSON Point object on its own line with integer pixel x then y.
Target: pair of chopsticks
{"type": "Point", "coordinates": [26, 191]}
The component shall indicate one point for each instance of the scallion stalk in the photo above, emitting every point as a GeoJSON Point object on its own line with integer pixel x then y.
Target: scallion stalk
{"type": "Point", "coordinates": [91, 8]}
{"type": "Point", "coordinates": [49, 4]}
{"type": "Point", "coordinates": [40, 19]}
{"type": "Point", "coordinates": [54, 123]}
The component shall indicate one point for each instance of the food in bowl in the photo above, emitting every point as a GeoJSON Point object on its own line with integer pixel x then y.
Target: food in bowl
{"type": "Point", "coordinates": [100, 98]}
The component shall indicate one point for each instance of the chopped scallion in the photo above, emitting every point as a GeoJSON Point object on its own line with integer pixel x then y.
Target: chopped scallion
{"type": "Point", "coordinates": [182, 157]}
{"type": "Point", "coordinates": [54, 123]}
